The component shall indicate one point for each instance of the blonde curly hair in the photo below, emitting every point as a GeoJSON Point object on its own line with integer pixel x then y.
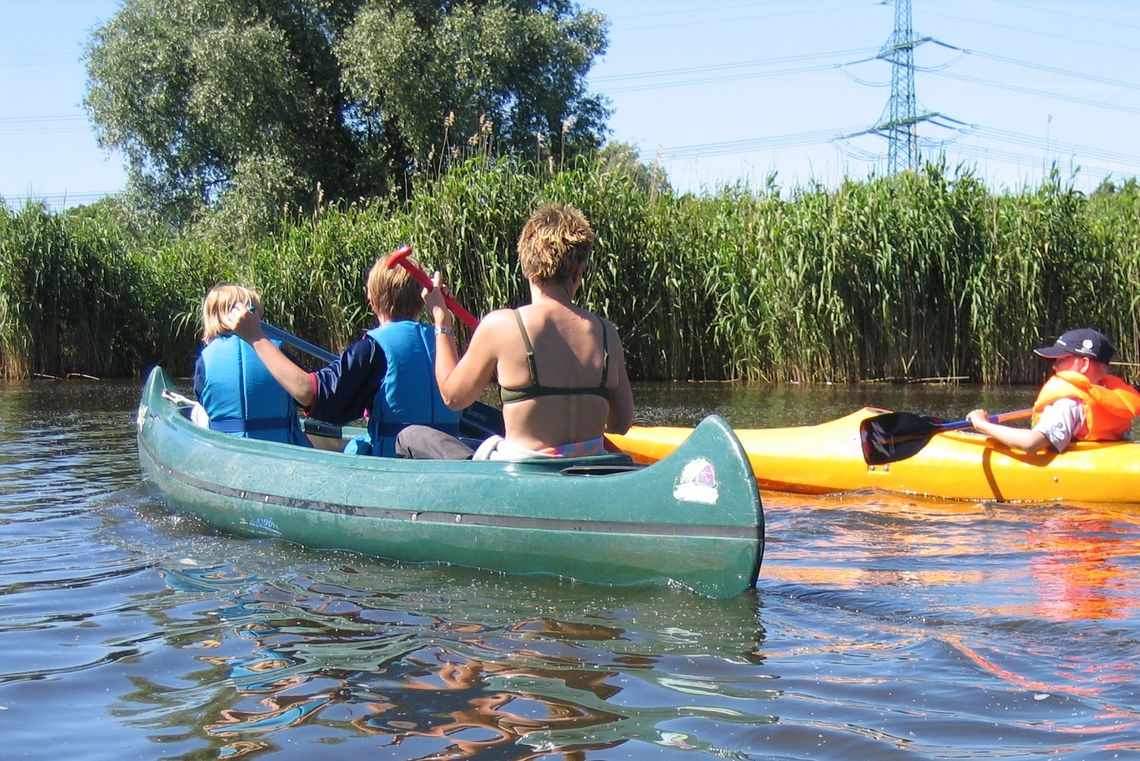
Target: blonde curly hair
{"type": "Point", "coordinates": [554, 242]}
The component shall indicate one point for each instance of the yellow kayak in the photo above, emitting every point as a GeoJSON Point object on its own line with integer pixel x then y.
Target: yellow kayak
{"type": "Point", "coordinates": [824, 458]}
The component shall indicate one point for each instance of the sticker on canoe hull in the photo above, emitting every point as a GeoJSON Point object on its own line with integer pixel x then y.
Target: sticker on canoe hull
{"type": "Point", "coordinates": [264, 525]}
{"type": "Point", "coordinates": [697, 483]}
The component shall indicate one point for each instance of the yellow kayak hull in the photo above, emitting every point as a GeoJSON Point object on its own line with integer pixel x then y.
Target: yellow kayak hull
{"type": "Point", "coordinates": [825, 458]}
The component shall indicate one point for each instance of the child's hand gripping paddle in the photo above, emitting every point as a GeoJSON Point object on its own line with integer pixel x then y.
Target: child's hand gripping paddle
{"type": "Point", "coordinates": [400, 256]}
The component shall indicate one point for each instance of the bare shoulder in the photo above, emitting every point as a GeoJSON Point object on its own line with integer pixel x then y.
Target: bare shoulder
{"type": "Point", "coordinates": [493, 327]}
{"type": "Point", "coordinates": [498, 317]}
{"type": "Point", "coordinates": [610, 328]}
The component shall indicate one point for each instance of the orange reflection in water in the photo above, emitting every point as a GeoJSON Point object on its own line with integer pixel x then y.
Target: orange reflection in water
{"type": "Point", "coordinates": [1077, 568]}
{"type": "Point", "coordinates": [1079, 562]}
{"type": "Point", "coordinates": [870, 528]}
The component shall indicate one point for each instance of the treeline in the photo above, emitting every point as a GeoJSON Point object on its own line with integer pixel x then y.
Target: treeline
{"type": "Point", "coordinates": [927, 275]}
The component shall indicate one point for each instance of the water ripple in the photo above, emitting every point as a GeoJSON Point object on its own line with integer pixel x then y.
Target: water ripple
{"type": "Point", "coordinates": [882, 627]}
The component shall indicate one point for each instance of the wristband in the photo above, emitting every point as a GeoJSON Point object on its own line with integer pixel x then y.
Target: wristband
{"type": "Point", "coordinates": [441, 329]}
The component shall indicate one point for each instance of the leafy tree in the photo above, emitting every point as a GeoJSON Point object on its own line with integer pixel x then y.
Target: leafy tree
{"type": "Point", "coordinates": [1107, 187]}
{"type": "Point", "coordinates": [625, 159]}
{"type": "Point", "coordinates": [518, 65]}
{"type": "Point", "coordinates": [215, 102]}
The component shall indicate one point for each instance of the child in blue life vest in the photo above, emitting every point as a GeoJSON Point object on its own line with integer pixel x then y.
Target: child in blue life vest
{"type": "Point", "coordinates": [387, 375]}
{"type": "Point", "coordinates": [232, 384]}
{"type": "Point", "coordinates": [1082, 401]}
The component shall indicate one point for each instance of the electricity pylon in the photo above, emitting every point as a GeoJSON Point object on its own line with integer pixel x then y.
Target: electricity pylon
{"type": "Point", "coordinates": [900, 118]}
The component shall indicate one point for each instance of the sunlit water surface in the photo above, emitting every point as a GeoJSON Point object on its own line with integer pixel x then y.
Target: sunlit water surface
{"type": "Point", "coordinates": [881, 627]}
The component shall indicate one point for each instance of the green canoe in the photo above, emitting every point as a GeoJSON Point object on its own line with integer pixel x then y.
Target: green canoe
{"type": "Point", "coordinates": [694, 519]}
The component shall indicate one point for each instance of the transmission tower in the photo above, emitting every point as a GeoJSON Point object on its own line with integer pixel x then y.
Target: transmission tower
{"type": "Point", "coordinates": [900, 119]}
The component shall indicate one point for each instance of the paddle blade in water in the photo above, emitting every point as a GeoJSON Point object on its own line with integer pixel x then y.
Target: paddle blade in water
{"type": "Point", "coordinates": [895, 436]}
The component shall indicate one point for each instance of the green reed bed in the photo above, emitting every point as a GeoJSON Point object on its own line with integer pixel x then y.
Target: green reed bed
{"type": "Point", "coordinates": [1113, 228]}
{"type": "Point", "coordinates": [919, 275]}
{"type": "Point", "coordinates": [69, 294]}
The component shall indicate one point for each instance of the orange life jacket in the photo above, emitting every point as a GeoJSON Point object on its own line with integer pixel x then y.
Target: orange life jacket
{"type": "Point", "coordinates": [1109, 404]}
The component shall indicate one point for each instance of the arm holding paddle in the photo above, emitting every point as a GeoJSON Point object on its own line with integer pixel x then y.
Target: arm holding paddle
{"type": "Point", "coordinates": [1025, 439]}
{"type": "Point", "coordinates": [459, 384]}
{"type": "Point", "coordinates": [560, 368]}
{"type": "Point", "coordinates": [894, 436]}
{"type": "Point", "coordinates": [296, 382]}
{"type": "Point", "coordinates": [1082, 400]}
{"type": "Point", "coordinates": [236, 388]}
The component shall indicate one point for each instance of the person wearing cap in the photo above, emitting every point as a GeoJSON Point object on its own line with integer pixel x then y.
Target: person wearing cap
{"type": "Point", "coordinates": [1082, 401]}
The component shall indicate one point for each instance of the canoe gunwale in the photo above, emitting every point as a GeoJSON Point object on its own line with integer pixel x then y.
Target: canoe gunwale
{"type": "Point", "coordinates": [600, 520]}
{"type": "Point", "coordinates": [449, 517]}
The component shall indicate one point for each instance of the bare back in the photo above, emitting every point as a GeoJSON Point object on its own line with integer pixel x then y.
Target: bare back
{"type": "Point", "coordinates": [570, 352]}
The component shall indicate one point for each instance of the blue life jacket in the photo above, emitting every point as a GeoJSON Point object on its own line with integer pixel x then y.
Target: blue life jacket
{"type": "Point", "coordinates": [408, 394]}
{"type": "Point", "coordinates": [242, 398]}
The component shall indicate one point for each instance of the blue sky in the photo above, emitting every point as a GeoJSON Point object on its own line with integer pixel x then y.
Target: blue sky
{"type": "Point", "coordinates": [719, 92]}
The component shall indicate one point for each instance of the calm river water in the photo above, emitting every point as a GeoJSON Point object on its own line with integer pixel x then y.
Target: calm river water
{"type": "Point", "coordinates": [881, 627]}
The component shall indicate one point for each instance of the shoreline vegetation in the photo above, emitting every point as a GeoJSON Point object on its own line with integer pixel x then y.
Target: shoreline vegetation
{"type": "Point", "coordinates": [918, 276]}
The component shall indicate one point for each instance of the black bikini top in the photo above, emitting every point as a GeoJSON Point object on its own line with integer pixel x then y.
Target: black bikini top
{"type": "Point", "coordinates": [534, 390]}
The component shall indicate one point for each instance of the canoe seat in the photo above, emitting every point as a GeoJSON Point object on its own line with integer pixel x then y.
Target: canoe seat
{"type": "Point", "coordinates": [189, 409]}
{"type": "Point", "coordinates": [321, 428]}
{"type": "Point", "coordinates": [601, 469]}
{"type": "Point", "coordinates": [597, 465]}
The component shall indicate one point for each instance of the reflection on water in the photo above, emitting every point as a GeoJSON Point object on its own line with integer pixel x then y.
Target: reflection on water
{"type": "Point", "coordinates": [1085, 568]}
{"type": "Point", "coordinates": [329, 653]}
{"type": "Point", "coordinates": [882, 626]}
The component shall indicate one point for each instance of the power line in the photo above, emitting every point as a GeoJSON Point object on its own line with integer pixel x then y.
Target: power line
{"type": "Point", "coordinates": [734, 65]}
{"type": "Point", "coordinates": [59, 199]}
{"type": "Point", "coordinates": [1083, 16]}
{"type": "Point", "coordinates": [36, 119]}
{"type": "Point", "coordinates": [1042, 93]}
{"type": "Point", "coordinates": [1022, 30]}
{"type": "Point", "coordinates": [836, 56]}
{"type": "Point", "coordinates": [1051, 69]}
{"type": "Point", "coordinates": [704, 14]}
{"type": "Point", "coordinates": [749, 145]}
{"type": "Point", "coordinates": [713, 80]}
{"type": "Point", "coordinates": [1053, 146]}
{"type": "Point", "coordinates": [36, 125]}
{"type": "Point", "coordinates": [38, 59]}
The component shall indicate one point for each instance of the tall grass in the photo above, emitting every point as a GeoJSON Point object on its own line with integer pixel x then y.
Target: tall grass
{"type": "Point", "coordinates": [69, 294]}
{"type": "Point", "coordinates": [918, 275]}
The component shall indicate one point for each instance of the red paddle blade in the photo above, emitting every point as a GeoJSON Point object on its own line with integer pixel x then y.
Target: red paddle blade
{"type": "Point", "coordinates": [400, 256]}
{"type": "Point", "coordinates": [397, 256]}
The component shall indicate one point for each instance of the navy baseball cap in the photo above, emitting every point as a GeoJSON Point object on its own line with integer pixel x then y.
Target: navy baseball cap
{"type": "Point", "coordinates": [1082, 342]}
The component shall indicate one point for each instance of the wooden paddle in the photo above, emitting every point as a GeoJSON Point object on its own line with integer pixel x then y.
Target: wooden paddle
{"type": "Point", "coordinates": [895, 436]}
{"type": "Point", "coordinates": [478, 421]}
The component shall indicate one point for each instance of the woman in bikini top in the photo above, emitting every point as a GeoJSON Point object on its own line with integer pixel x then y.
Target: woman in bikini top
{"type": "Point", "coordinates": [569, 342]}
{"type": "Point", "coordinates": [535, 390]}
